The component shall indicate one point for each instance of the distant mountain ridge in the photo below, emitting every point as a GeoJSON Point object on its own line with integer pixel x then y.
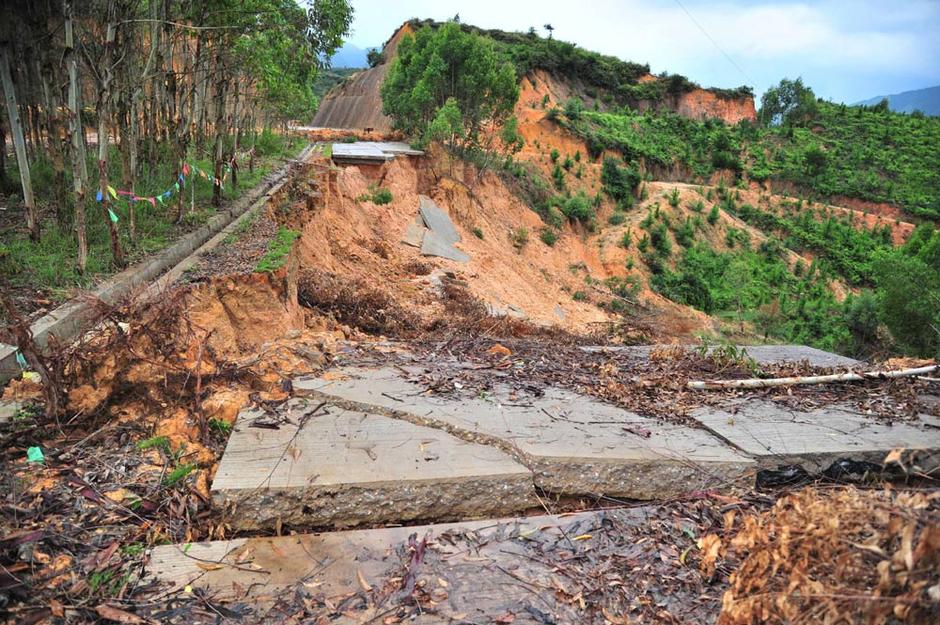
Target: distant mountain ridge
{"type": "Point", "coordinates": [350, 56]}
{"type": "Point", "coordinates": [925, 100]}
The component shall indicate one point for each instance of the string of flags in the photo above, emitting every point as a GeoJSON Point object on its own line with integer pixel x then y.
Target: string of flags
{"type": "Point", "coordinates": [180, 183]}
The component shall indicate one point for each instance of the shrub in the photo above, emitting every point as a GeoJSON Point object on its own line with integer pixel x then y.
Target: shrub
{"type": "Point", "coordinates": [713, 215]}
{"type": "Point", "coordinates": [376, 195]}
{"type": "Point", "coordinates": [558, 176]}
{"type": "Point", "coordinates": [573, 109]}
{"type": "Point", "coordinates": [478, 233]}
{"type": "Point", "coordinates": [673, 198]}
{"type": "Point", "coordinates": [382, 196]}
{"type": "Point", "coordinates": [685, 234]}
{"type": "Point", "coordinates": [616, 218]}
{"type": "Point", "coordinates": [861, 317]}
{"type": "Point", "coordinates": [627, 239]}
{"type": "Point", "coordinates": [659, 238]}
{"type": "Point", "coordinates": [548, 236]}
{"type": "Point", "coordinates": [619, 182]}
{"type": "Point", "coordinates": [697, 206]}
{"type": "Point", "coordinates": [554, 217]}
{"type": "Point", "coordinates": [519, 237]}
{"type": "Point", "coordinates": [579, 296]}
{"type": "Point", "coordinates": [578, 207]}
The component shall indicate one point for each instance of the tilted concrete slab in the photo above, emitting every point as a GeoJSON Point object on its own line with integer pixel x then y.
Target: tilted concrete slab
{"type": "Point", "coordinates": [414, 232]}
{"type": "Point", "coordinates": [335, 467]}
{"type": "Point", "coordinates": [372, 151]}
{"type": "Point", "coordinates": [479, 563]}
{"type": "Point", "coordinates": [573, 443]}
{"type": "Point", "coordinates": [775, 434]}
{"type": "Point", "coordinates": [360, 151]}
{"type": "Point", "coordinates": [762, 354]}
{"type": "Point", "coordinates": [397, 147]}
{"type": "Point", "coordinates": [437, 219]}
{"type": "Point", "coordinates": [432, 244]}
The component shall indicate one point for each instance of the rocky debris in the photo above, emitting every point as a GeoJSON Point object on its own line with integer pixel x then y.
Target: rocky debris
{"type": "Point", "coordinates": [497, 310]}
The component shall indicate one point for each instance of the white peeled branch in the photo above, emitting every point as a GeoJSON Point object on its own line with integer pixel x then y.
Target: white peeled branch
{"type": "Point", "coordinates": [699, 385]}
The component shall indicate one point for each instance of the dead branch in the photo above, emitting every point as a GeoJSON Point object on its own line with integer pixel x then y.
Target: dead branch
{"type": "Point", "coordinates": [22, 337]}
{"type": "Point", "coordinates": [699, 385]}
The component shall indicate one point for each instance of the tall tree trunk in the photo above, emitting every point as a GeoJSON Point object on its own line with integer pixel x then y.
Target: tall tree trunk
{"type": "Point", "coordinates": [77, 132]}
{"type": "Point", "coordinates": [220, 93]}
{"type": "Point", "coordinates": [235, 132]}
{"type": "Point", "coordinates": [4, 180]}
{"type": "Point", "coordinates": [128, 174]}
{"type": "Point", "coordinates": [104, 114]}
{"type": "Point", "coordinates": [19, 143]}
{"type": "Point", "coordinates": [56, 147]}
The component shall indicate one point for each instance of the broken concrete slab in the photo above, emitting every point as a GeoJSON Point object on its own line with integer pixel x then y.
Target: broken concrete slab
{"type": "Point", "coordinates": [497, 310]}
{"type": "Point", "coordinates": [326, 466]}
{"type": "Point", "coordinates": [762, 354]}
{"type": "Point", "coordinates": [432, 244]}
{"type": "Point", "coordinates": [437, 220]}
{"type": "Point", "coordinates": [475, 560]}
{"type": "Point", "coordinates": [774, 434]}
{"type": "Point", "coordinates": [360, 152]}
{"type": "Point", "coordinates": [9, 409]}
{"type": "Point", "coordinates": [574, 444]}
{"type": "Point", "coordinates": [414, 232]}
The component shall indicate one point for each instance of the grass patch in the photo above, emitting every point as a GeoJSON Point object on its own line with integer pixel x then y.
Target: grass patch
{"type": "Point", "coordinates": [175, 476]}
{"type": "Point", "coordinates": [376, 195]}
{"type": "Point", "coordinates": [50, 264]}
{"type": "Point", "coordinates": [155, 442]}
{"type": "Point", "coordinates": [278, 249]}
{"type": "Point", "coordinates": [220, 426]}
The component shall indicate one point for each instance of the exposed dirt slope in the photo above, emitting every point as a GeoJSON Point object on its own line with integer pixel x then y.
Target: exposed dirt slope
{"type": "Point", "coordinates": [361, 241]}
{"type": "Point", "coordinates": [357, 103]}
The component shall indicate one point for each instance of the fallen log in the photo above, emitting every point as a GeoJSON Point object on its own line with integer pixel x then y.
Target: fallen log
{"type": "Point", "coordinates": [699, 385]}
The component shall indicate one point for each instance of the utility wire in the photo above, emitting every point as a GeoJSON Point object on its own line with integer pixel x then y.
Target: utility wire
{"type": "Point", "coordinates": [715, 43]}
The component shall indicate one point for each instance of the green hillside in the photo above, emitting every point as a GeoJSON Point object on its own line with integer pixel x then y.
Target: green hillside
{"type": "Point", "coordinates": [865, 153]}
{"type": "Point", "coordinates": [816, 150]}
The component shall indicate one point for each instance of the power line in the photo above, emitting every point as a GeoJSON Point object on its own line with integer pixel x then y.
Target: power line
{"type": "Point", "coordinates": [715, 43]}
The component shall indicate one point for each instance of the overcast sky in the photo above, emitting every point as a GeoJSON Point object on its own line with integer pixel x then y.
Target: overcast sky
{"type": "Point", "coordinates": [847, 50]}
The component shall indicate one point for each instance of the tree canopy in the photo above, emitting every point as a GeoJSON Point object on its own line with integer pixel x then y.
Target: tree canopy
{"type": "Point", "coordinates": [790, 103]}
{"type": "Point", "coordinates": [448, 83]}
